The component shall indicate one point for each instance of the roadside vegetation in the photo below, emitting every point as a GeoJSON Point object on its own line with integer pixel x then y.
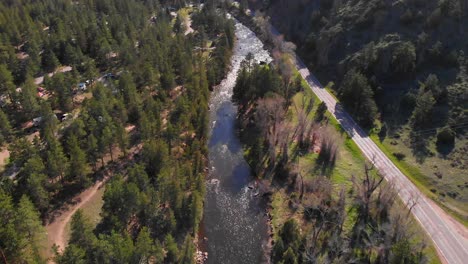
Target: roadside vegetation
{"type": "Point", "coordinates": [326, 202]}
{"type": "Point", "coordinates": [132, 111]}
{"type": "Point", "coordinates": [399, 68]}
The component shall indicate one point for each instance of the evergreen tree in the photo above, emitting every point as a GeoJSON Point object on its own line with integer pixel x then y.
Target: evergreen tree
{"type": "Point", "coordinates": [72, 255]}
{"type": "Point", "coordinates": [29, 225]}
{"type": "Point", "coordinates": [10, 240]}
{"type": "Point", "coordinates": [82, 232]}
{"type": "Point", "coordinates": [29, 100]}
{"type": "Point", "coordinates": [188, 251]}
{"type": "Point", "coordinates": [289, 257]}
{"type": "Point", "coordinates": [358, 98]}
{"type": "Point", "coordinates": [34, 180]}
{"type": "Point", "coordinates": [56, 161]}
{"type": "Point", "coordinates": [78, 169]}
{"type": "Point", "coordinates": [5, 127]}
{"type": "Point", "coordinates": [49, 61]}
{"type": "Point", "coordinates": [144, 248]}
{"type": "Point", "coordinates": [172, 254]}
{"type": "Point", "coordinates": [7, 86]}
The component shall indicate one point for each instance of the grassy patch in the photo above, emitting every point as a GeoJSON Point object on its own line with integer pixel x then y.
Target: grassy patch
{"type": "Point", "coordinates": [350, 162]}
{"type": "Point", "coordinates": [279, 211]}
{"type": "Point", "coordinates": [418, 178]}
{"type": "Point", "coordinates": [91, 210]}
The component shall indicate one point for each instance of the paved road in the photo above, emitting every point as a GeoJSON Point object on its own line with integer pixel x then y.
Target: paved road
{"type": "Point", "coordinates": [449, 236]}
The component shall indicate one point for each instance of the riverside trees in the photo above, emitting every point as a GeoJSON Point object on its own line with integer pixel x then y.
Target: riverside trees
{"type": "Point", "coordinates": [329, 224]}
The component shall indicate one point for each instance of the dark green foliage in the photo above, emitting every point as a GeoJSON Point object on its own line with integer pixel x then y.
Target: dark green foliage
{"type": "Point", "coordinates": [172, 250]}
{"type": "Point", "coordinates": [7, 86]}
{"type": "Point", "coordinates": [21, 232]}
{"type": "Point", "coordinates": [49, 61]}
{"type": "Point", "coordinates": [422, 112]}
{"type": "Point", "coordinates": [357, 96]}
{"type": "Point", "coordinates": [28, 99]}
{"type": "Point", "coordinates": [404, 58]}
{"type": "Point", "coordinates": [5, 127]}
{"type": "Point", "coordinates": [34, 181]}
{"type": "Point", "coordinates": [72, 255]}
{"type": "Point", "coordinates": [255, 81]}
{"type": "Point", "coordinates": [446, 136]}
{"type": "Point", "coordinates": [287, 246]}
{"type": "Point", "coordinates": [81, 232]}
{"type": "Point", "coordinates": [78, 165]}
{"type": "Point", "coordinates": [152, 211]}
{"type": "Point", "coordinates": [290, 234]}
{"type": "Point", "coordinates": [289, 257]}
{"type": "Point", "coordinates": [399, 155]}
{"type": "Point", "coordinates": [321, 110]}
{"type": "Point", "coordinates": [394, 44]}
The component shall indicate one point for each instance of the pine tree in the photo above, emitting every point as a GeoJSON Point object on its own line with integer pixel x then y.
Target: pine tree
{"type": "Point", "coordinates": [6, 83]}
{"type": "Point", "coordinates": [5, 127]}
{"type": "Point", "coordinates": [78, 169]}
{"type": "Point", "coordinates": [358, 97]}
{"type": "Point", "coordinates": [144, 247]}
{"type": "Point", "coordinates": [122, 138]}
{"type": "Point", "coordinates": [56, 161]}
{"type": "Point", "coordinates": [29, 100]}
{"type": "Point", "coordinates": [92, 150]}
{"type": "Point", "coordinates": [34, 180]}
{"type": "Point", "coordinates": [29, 226]}
{"type": "Point", "coordinates": [289, 257]}
{"type": "Point", "coordinates": [424, 106]}
{"type": "Point", "coordinates": [72, 255]}
{"type": "Point", "coordinates": [49, 61]}
{"type": "Point", "coordinates": [10, 240]}
{"type": "Point", "coordinates": [82, 232]}
{"type": "Point", "coordinates": [188, 251]}
{"type": "Point", "coordinates": [172, 254]}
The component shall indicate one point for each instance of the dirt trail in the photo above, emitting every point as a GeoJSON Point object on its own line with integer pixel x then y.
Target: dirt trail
{"type": "Point", "coordinates": [56, 229]}
{"type": "Point", "coordinates": [4, 155]}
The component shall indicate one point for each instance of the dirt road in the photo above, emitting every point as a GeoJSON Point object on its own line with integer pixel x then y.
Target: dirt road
{"type": "Point", "coordinates": [56, 230]}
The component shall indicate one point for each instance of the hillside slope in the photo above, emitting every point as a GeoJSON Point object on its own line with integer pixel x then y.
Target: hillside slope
{"type": "Point", "coordinates": [411, 53]}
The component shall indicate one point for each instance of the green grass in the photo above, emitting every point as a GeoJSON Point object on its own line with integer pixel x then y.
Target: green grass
{"type": "Point", "coordinates": [350, 162]}
{"type": "Point", "coordinates": [329, 88]}
{"type": "Point", "coordinates": [412, 172]}
{"type": "Point", "coordinates": [91, 210]}
{"type": "Point", "coordinates": [279, 211]}
{"type": "Point", "coordinates": [417, 177]}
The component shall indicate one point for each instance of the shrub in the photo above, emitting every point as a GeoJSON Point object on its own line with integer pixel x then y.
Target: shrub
{"type": "Point", "coordinates": [400, 156]}
{"type": "Point", "coordinates": [404, 58]}
{"type": "Point", "coordinates": [407, 17]}
{"type": "Point", "coordinates": [446, 136]}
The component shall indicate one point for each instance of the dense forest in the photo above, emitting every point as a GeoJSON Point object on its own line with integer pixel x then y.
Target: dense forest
{"type": "Point", "coordinates": [400, 68]}
{"type": "Point", "coordinates": [114, 90]}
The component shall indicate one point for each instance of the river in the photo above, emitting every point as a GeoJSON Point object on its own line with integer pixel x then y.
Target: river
{"type": "Point", "coordinates": [234, 225]}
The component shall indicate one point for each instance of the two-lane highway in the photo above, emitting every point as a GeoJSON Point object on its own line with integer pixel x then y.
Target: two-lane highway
{"type": "Point", "coordinates": [449, 236]}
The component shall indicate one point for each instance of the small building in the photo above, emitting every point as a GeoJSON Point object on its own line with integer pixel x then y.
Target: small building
{"type": "Point", "coordinates": [82, 86]}
{"type": "Point", "coordinates": [37, 121]}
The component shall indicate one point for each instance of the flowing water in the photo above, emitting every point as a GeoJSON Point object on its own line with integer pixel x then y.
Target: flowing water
{"type": "Point", "coordinates": [234, 225]}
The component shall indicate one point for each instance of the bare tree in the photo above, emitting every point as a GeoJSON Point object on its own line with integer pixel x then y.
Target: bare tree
{"type": "Point", "coordinates": [329, 144]}
{"type": "Point", "coordinates": [269, 118]}
{"type": "Point", "coordinates": [365, 188]}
